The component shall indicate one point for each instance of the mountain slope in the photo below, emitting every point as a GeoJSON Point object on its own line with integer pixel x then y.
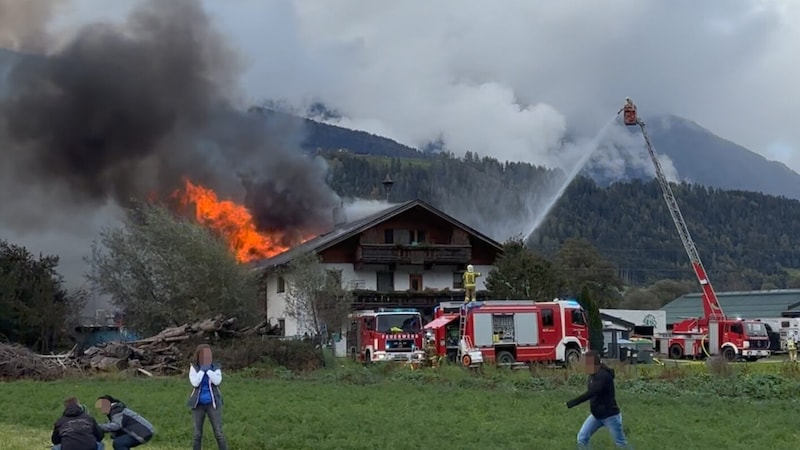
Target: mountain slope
{"type": "Point", "coordinates": [705, 158]}
{"type": "Point", "coordinates": [698, 155]}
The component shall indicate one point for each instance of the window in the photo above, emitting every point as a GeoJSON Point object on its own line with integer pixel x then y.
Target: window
{"type": "Point", "coordinates": [547, 317]}
{"type": "Point", "coordinates": [281, 285]}
{"type": "Point", "coordinates": [418, 236]}
{"type": "Point", "coordinates": [409, 323]}
{"type": "Point", "coordinates": [388, 236]}
{"type": "Point", "coordinates": [736, 328]}
{"type": "Point", "coordinates": [785, 324]}
{"type": "Point", "coordinates": [384, 281]}
{"type": "Point", "coordinates": [458, 280]}
{"type": "Point", "coordinates": [333, 277]}
{"type": "Point", "coordinates": [282, 326]}
{"type": "Point", "coordinates": [415, 281]}
{"type": "Point", "coordinates": [756, 329]}
{"type": "Point", "coordinates": [577, 317]}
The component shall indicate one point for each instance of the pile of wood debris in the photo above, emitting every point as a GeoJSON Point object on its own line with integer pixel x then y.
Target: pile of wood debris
{"type": "Point", "coordinates": [161, 354]}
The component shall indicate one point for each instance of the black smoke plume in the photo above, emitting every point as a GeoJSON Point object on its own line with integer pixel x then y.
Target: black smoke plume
{"type": "Point", "coordinates": [126, 111]}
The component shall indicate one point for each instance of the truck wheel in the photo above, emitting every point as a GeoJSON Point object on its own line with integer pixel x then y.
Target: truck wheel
{"type": "Point", "coordinates": [572, 356]}
{"type": "Point", "coordinates": [367, 358]}
{"type": "Point", "coordinates": [675, 351]}
{"type": "Point", "coordinates": [729, 353]}
{"type": "Point", "coordinates": [505, 358]}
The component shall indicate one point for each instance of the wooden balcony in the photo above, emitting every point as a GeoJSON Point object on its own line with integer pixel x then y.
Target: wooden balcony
{"type": "Point", "coordinates": [413, 254]}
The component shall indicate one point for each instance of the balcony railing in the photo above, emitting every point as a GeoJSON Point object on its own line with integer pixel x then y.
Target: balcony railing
{"type": "Point", "coordinates": [413, 254]}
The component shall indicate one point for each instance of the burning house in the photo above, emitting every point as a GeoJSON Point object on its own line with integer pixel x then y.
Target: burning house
{"type": "Point", "coordinates": [145, 109]}
{"type": "Point", "coordinates": [408, 255]}
{"type": "Point", "coordinates": [119, 113]}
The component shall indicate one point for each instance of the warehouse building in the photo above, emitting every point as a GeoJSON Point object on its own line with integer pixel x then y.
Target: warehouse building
{"type": "Point", "coordinates": [745, 304]}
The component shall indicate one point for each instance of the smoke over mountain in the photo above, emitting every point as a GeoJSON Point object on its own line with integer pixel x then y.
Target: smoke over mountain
{"type": "Point", "coordinates": [124, 111]}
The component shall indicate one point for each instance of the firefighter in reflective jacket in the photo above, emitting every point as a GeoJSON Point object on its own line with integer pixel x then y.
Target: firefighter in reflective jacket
{"type": "Point", "coordinates": [430, 350]}
{"type": "Point", "coordinates": [791, 345]}
{"type": "Point", "coordinates": [469, 283]}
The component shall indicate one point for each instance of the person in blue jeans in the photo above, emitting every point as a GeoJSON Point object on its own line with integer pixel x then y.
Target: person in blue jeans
{"type": "Point", "coordinates": [206, 398]}
{"type": "Point", "coordinates": [128, 429]}
{"type": "Point", "coordinates": [603, 408]}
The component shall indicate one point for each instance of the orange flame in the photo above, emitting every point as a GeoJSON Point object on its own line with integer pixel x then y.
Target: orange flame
{"type": "Point", "coordinates": [231, 220]}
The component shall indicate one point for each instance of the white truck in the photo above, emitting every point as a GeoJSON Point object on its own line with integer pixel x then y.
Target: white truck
{"type": "Point", "coordinates": [785, 328]}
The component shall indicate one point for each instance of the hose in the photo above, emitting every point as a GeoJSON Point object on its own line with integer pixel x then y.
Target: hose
{"type": "Point", "coordinates": [702, 345]}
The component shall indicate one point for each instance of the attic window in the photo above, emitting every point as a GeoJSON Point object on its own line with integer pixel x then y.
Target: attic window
{"type": "Point", "coordinates": [281, 285]}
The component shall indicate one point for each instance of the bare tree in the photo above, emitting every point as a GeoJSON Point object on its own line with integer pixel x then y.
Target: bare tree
{"type": "Point", "coordinates": [164, 270]}
{"type": "Point", "coordinates": [315, 297]}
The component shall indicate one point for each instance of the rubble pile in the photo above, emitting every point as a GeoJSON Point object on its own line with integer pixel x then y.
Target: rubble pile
{"type": "Point", "coordinates": [165, 353]}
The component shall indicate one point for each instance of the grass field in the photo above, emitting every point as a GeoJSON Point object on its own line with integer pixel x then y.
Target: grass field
{"type": "Point", "coordinates": [379, 408]}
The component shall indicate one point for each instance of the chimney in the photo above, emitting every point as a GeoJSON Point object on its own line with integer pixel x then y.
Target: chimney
{"type": "Point", "coordinates": [339, 217]}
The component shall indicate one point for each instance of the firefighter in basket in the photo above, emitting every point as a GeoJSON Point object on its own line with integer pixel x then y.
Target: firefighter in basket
{"type": "Point", "coordinates": [469, 278]}
{"type": "Point", "coordinates": [629, 115]}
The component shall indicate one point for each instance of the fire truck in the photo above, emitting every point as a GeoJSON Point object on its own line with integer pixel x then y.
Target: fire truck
{"type": "Point", "coordinates": [510, 331]}
{"type": "Point", "coordinates": [714, 333]}
{"type": "Point", "coordinates": [386, 334]}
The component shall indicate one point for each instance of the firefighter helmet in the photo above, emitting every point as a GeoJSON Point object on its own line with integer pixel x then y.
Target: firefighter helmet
{"type": "Point", "coordinates": [470, 268]}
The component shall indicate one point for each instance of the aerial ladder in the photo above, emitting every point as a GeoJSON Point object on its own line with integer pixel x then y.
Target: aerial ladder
{"type": "Point", "coordinates": [714, 333]}
{"type": "Point", "coordinates": [711, 307]}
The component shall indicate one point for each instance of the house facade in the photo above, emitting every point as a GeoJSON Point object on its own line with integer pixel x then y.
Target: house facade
{"type": "Point", "coordinates": [409, 255]}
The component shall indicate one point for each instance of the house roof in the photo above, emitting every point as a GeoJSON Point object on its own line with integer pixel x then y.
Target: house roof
{"type": "Point", "coordinates": [350, 229]}
{"type": "Point", "coordinates": [744, 304]}
{"type": "Point", "coordinates": [616, 320]}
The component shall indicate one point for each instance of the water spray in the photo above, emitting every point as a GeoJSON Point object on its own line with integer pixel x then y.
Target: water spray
{"type": "Point", "coordinates": [584, 159]}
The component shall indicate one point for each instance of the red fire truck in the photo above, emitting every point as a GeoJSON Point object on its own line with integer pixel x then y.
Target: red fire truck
{"type": "Point", "coordinates": [714, 333]}
{"type": "Point", "coordinates": [510, 331]}
{"type": "Point", "coordinates": [386, 334]}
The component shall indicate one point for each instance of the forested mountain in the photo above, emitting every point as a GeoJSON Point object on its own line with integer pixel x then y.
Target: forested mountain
{"type": "Point", "coordinates": [747, 240]}
{"type": "Point", "coordinates": [698, 155]}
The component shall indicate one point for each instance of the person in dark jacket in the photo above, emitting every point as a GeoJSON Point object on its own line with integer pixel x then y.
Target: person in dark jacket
{"type": "Point", "coordinates": [76, 430]}
{"type": "Point", "coordinates": [128, 429]}
{"type": "Point", "coordinates": [602, 403]}
{"type": "Point", "coordinates": [206, 398]}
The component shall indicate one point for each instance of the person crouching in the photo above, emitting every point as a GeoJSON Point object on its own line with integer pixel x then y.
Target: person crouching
{"type": "Point", "coordinates": [76, 430]}
{"type": "Point", "coordinates": [128, 429]}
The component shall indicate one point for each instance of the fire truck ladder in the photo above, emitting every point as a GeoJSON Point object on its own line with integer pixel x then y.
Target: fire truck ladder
{"type": "Point", "coordinates": [466, 350]}
{"type": "Point", "coordinates": [711, 306]}
{"type": "Point", "coordinates": [462, 331]}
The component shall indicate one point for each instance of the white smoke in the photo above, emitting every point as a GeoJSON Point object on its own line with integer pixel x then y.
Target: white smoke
{"type": "Point", "coordinates": [356, 209]}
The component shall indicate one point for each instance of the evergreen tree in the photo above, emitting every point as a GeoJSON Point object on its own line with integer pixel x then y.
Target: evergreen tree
{"type": "Point", "coordinates": [595, 321]}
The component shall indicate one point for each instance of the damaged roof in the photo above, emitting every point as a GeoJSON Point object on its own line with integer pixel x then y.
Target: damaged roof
{"type": "Point", "coordinates": [350, 229]}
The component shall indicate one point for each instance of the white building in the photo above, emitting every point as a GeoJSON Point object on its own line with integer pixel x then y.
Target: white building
{"type": "Point", "coordinates": [641, 318]}
{"type": "Point", "coordinates": [409, 255]}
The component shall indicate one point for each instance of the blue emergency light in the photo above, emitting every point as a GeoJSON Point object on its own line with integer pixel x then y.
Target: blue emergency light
{"type": "Point", "coordinates": [397, 310]}
{"type": "Point", "coordinates": [571, 302]}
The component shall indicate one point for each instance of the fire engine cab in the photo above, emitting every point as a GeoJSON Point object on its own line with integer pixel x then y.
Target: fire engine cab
{"type": "Point", "coordinates": [510, 331]}
{"type": "Point", "coordinates": [386, 334]}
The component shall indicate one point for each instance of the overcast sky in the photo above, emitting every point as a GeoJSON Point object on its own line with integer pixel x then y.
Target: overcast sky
{"type": "Point", "coordinates": [507, 78]}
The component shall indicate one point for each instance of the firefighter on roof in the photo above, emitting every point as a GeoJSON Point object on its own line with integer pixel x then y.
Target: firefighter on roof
{"type": "Point", "coordinates": [469, 283]}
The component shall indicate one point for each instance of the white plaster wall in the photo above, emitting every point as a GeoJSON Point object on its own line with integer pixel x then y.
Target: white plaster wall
{"type": "Point", "coordinates": [439, 278]}
{"type": "Point", "coordinates": [638, 317]}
